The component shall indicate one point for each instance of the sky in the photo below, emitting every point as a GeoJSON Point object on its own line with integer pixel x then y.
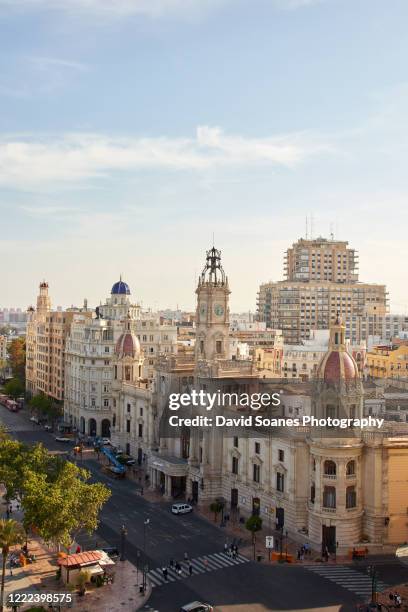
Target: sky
{"type": "Point", "coordinates": [133, 131]}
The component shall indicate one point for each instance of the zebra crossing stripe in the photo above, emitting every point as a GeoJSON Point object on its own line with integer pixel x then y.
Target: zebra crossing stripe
{"type": "Point", "coordinates": [225, 559]}
{"type": "Point", "coordinates": [213, 563]}
{"type": "Point", "coordinates": [206, 563]}
{"type": "Point", "coordinates": [347, 578]}
{"type": "Point", "coordinates": [198, 567]}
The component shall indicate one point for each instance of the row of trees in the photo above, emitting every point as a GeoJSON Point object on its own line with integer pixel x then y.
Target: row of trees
{"type": "Point", "coordinates": [56, 496]}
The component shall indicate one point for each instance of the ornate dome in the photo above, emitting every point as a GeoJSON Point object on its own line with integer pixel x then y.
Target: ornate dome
{"type": "Point", "coordinates": [120, 288]}
{"type": "Point", "coordinates": [337, 364]}
{"type": "Point", "coordinates": [128, 345]}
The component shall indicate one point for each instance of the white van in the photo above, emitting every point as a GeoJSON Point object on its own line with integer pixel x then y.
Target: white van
{"type": "Point", "coordinates": [181, 508]}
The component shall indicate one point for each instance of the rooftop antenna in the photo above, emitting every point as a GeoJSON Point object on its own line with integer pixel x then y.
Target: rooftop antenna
{"type": "Point", "coordinates": [306, 229]}
{"type": "Point", "coordinates": [331, 232]}
{"type": "Point", "coordinates": [213, 239]}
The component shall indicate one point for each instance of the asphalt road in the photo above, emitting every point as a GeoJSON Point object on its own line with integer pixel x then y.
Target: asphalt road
{"type": "Point", "coordinates": [247, 587]}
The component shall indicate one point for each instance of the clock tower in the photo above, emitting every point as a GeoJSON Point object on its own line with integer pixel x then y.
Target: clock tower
{"type": "Point", "coordinates": [212, 336]}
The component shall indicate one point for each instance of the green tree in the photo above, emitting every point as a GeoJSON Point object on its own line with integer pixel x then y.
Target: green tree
{"type": "Point", "coordinates": [254, 524]}
{"type": "Point", "coordinates": [17, 357]}
{"type": "Point", "coordinates": [14, 388]}
{"type": "Point", "coordinates": [41, 403]}
{"type": "Point", "coordinates": [11, 533]}
{"type": "Point", "coordinates": [61, 507]}
{"type": "Point", "coordinates": [216, 507]}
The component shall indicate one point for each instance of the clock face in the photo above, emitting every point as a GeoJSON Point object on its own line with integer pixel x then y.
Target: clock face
{"type": "Point", "coordinates": [219, 310]}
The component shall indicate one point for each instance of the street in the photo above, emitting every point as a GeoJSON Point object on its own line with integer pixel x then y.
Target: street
{"type": "Point", "coordinates": [234, 586]}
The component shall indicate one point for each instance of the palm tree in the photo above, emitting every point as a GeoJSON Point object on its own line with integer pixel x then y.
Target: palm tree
{"type": "Point", "coordinates": [11, 533]}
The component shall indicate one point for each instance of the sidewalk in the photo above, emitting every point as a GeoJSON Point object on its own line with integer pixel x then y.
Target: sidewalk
{"type": "Point", "coordinates": [40, 577]}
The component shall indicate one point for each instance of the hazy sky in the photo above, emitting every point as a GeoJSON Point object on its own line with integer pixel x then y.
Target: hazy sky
{"type": "Point", "coordinates": [131, 130]}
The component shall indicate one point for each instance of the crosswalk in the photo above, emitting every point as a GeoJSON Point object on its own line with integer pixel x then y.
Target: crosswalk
{"type": "Point", "coordinates": [200, 565]}
{"type": "Point", "coordinates": [348, 578]}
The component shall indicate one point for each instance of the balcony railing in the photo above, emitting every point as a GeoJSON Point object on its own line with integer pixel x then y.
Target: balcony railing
{"type": "Point", "coordinates": [330, 476]}
{"type": "Point", "coordinates": [330, 510]}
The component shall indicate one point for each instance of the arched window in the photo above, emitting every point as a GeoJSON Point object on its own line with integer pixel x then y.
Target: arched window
{"type": "Point", "coordinates": [329, 468]}
{"type": "Point", "coordinates": [351, 497]}
{"type": "Point", "coordinates": [329, 497]}
{"type": "Point", "coordinates": [312, 493]}
{"type": "Point", "coordinates": [351, 468]}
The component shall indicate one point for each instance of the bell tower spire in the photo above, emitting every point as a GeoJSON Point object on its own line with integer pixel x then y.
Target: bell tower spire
{"type": "Point", "coordinates": [212, 338]}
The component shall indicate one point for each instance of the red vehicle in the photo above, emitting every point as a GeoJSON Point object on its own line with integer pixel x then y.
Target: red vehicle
{"type": "Point", "coordinates": [8, 403]}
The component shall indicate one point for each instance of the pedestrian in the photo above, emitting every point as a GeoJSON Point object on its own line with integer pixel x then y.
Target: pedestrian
{"type": "Point", "coordinates": [78, 550]}
{"type": "Point", "coordinates": [185, 556]}
{"type": "Point", "coordinates": [165, 575]}
{"type": "Point", "coordinates": [234, 552]}
{"type": "Point", "coordinates": [205, 561]}
{"type": "Point", "coordinates": [298, 554]}
{"type": "Point", "coordinates": [397, 600]}
{"type": "Point", "coordinates": [190, 569]}
{"type": "Point", "coordinates": [225, 547]}
{"type": "Point", "coordinates": [171, 563]}
{"type": "Point", "coordinates": [178, 568]}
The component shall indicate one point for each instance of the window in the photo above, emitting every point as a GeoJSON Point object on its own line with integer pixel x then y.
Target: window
{"type": "Point", "coordinates": [201, 346]}
{"type": "Point", "coordinates": [127, 448]}
{"type": "Point", "coordinates": [140, 430]}
{"type": "Point", "coordinates": [106, 349]}
{"type": "Point", "coordinates": [218, 346]}
{"type": "Point", "coordinates": [256, 472]}
{"type": "Point", "coordinates": [329, 497]}
{"type": "Point", "coordinates": [128, 408]}
{"type": "Point", "coordinates": [280, 482]}
{"type": "Point", "coordinates": [236, 441]}
{"type": "Point", "coordinates": [330, 411]}
{"type": "Point", "coordinates": [351, 468]}
{"type": "Point", "coordinates": [329, 468]}
{"type": "Point", "coordinates": [141, 411]}
{"type": "Point", "coordinates": [351, 497]}
{"type": "Point", "coordinates": [235, 462]}
{"type": "Point", "coordinates": [257, 448]}
{"type": "Point", "coordinates": [281, 455]}
{"type": "Point", "coordinates": [106, 402]}
{"type": "Point", "coordinates": [127, 426]}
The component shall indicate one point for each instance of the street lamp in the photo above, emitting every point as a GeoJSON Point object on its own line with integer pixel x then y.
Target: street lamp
{"type": "Point", "coordinates": [123, 534]}
{"type": "Point", "coordinates": [145, 566]}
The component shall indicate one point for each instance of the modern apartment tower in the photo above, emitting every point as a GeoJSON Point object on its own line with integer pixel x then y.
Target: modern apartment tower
{"type": "Point", "coordinates": [321, 281]}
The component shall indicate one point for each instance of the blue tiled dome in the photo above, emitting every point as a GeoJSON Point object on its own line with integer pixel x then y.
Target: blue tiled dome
{"type": "Point", "coordinates": [120, 288]}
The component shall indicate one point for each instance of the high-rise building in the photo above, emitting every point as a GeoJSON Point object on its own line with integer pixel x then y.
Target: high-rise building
{"type": "Point", "coordinates": [47, 331]}
{"type": "Point", "coordinates": [321, 259]}
{"type": "Point", "coordinates": [317, 288]}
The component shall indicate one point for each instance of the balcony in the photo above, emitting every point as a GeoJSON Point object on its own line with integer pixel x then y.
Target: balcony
{"type": "Point", "coordinates": [330, 476]}
{"type": "Point", "coordinates": [329, 510]}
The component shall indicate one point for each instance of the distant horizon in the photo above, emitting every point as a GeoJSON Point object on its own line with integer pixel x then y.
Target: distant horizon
{"type": "Point", "coordinates": [138, 299]}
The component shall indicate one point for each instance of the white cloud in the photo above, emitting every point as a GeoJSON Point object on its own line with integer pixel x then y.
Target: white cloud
{"type": "Point", "coordinates": [26, 162]}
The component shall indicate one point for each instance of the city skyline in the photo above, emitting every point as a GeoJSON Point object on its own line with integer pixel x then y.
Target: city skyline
{"type": "Point", "coordinates": [134, 131]}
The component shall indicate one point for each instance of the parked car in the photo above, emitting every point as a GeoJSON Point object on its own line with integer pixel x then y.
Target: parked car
{"type": "Point", "coordinates": [34, 419]}
{"type": "Point", "coordinates": [62, 439]}
{"type": "Point", "coordinates": [181, 508]}
{"type": "Point", "coordinates": [105, 441]}
{"type": "Point", "coordinates": [48, 427]}
{"type": "Point", "coordinates": [197, 606]}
